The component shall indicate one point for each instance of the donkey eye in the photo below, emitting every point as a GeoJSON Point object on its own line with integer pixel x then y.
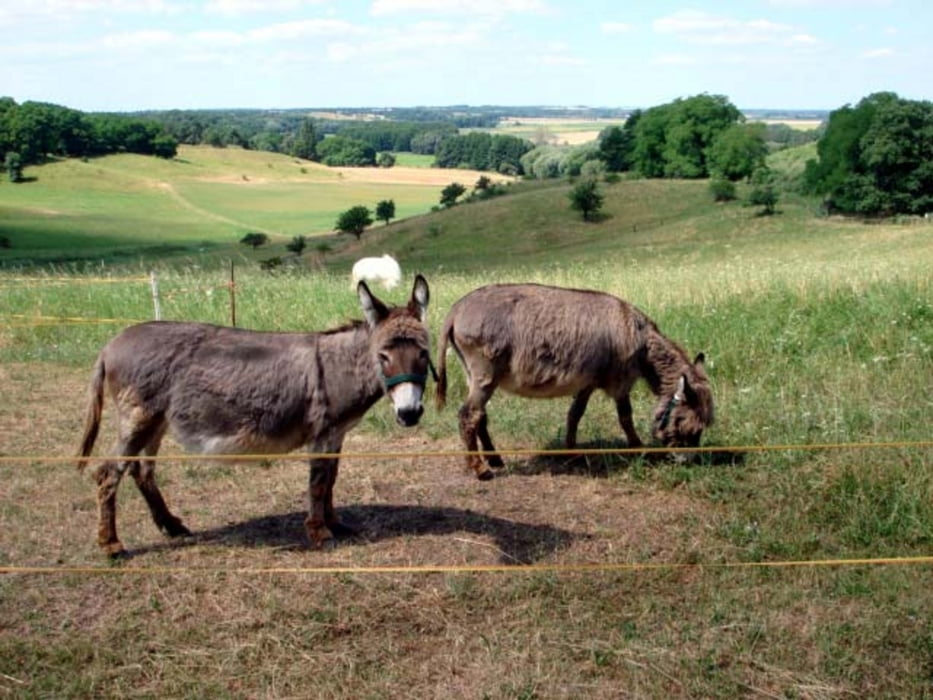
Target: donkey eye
{"type": "Point", "coordinates": [384, 358]}
{"type": "Point", "coordinates": [423, 354]}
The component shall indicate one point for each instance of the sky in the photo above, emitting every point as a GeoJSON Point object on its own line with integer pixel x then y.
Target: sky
{"type": "Point", "coordinates": [129, 55]}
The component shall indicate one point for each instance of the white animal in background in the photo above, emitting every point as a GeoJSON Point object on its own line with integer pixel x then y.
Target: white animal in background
{"type": "Point", "coordinates": [384, 270]}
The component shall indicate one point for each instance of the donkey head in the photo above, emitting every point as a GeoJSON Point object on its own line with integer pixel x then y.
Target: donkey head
{"type": "Point", "coordinates": [399, 347]}
{"type": "Point", "coordinates": [680, 417]}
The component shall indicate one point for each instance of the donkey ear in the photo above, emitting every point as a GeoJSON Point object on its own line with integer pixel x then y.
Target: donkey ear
{"type": "Point", "coordinates": [699, 359]}
{"type": "Point", "coordinates": [420, 296]}
{"type": "Point", "coordinates": [373, 309]}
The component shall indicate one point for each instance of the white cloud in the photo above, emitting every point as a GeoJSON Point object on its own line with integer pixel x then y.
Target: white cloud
{"type": "Point", "coordinates": [878, 53]}
{"type": "Point", "coordinates": [416, 43]}
{"type": "Point", "coordinates": [303, 29]}
{"type": "Point", "coordinates": [232, 8]}
{"type": "Point", "coordinates": [71, 7]}
{"type": "Point", "coordinates": [560, 60]}
{"type": "Point", "coordinates": [615, 27]}
{"type": "Point", "coordinates": [704, 28]}
{"type": "Point", "coordinates": [458, 7]}
{"type": "Point", "coordinates": [674, 59]}
{"type": "Point", "coordinates": [830, 4]}
{"type": "Point", "coordinates": [137, 41]}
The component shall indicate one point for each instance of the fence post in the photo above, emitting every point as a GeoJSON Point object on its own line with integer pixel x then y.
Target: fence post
{"type": "Point", "coordinates": [232, 297]}
{"type": "Point", "coordinates": [154, 284]}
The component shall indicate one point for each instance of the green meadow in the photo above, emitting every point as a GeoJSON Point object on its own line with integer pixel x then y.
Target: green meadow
{"type": "Point", "coordinates": [133, 207]}
{"type": "Point", "coordinates": [818, 333]}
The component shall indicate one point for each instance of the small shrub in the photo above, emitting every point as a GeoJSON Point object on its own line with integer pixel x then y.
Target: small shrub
{"type": "Point", "coordinates": [254, 239]}
{"type": "Point", "coordinates": [723, 190]}
{"type": "Point", "coordinates": [297, 245]}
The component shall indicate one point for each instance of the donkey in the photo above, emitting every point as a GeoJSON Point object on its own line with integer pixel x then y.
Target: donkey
{"type": "Point", "coordinates": [540, 341]}
{"type": "Point", "coordinates": [227, 390]}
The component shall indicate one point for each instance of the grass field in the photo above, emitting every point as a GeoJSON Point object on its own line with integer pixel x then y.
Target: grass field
{"type": "Point", "coordinates": [130, 207]}
{"type": "Point", "coordinates": [817, 331]}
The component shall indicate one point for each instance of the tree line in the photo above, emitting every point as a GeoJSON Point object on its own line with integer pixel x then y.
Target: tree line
{"type": "Point", "coordinates": [32, 131]}
{"type": "Point", "coordinates": [875, 158]}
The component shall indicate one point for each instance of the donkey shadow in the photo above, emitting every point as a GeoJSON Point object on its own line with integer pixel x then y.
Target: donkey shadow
{"type": "Point", "coordinates": [617, 457]}
{"type": "Point", "coordinates": [519, 543]}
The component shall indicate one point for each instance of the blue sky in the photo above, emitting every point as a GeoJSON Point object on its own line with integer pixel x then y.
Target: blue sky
{"type": "Point", "coordinates": [124, 55]}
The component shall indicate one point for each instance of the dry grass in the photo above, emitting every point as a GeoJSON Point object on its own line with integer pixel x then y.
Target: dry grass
{"type": "Point", "coordinates": [210, 630]}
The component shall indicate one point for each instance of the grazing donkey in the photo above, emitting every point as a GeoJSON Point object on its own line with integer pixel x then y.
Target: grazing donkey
{"type": "Point", "coordinates": [226, 390]}
{"type": "Point", "coordinates": [542, 342]}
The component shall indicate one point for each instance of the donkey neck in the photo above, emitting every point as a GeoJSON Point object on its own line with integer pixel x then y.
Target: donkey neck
{"type": "Point", "coordinates": [664, 363]}
{"type": "Point", "coordinates": [345, 369]}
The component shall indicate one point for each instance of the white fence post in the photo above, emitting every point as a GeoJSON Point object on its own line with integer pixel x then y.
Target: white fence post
{"type": "Point", "coordinates": [154, 283]}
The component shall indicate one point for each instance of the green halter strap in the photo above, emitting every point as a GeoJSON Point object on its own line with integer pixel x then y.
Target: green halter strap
{"type": "Point", "coordinates": [396, 379]}
{"type": "Point", "coordinates": [666, 416]}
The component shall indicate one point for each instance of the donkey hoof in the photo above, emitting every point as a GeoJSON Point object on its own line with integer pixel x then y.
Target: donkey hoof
{"type": "Point", "coordinates": [321, 538]}
{"type": "Point", "coordinates": [496, 462]}
{"type": "Point", "coordinates": [177, 529]}
{"type": "Point", "coordinates": [485, 474]}
{"type": "Point", "coordinates": [115, 551]}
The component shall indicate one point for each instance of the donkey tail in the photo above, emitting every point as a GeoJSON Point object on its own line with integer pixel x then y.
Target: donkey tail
{"type": "Point", "coordinates": [95, 408]}
{"type": "Point", "coordinates": [440, 394]}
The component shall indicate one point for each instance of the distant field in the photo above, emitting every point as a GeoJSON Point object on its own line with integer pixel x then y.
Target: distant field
{"type": "Point", "coordinates": [413, 160]}
{"type": "Point", "coordinates": [557, 131]}
{"type": "Point", "coordinates": [125, 204]}
{"type": "Point", "coordinates": [563, 131]}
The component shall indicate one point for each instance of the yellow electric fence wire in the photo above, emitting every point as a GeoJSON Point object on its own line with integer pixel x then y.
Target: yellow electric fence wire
{"type": "Point", "coordinates": [517, 452]}
{"type": "Point", "coordinates": [481, 568]}
{"type": "Point", "coordinates": [40, 281]}
{"type": "Point", "coordinates": [463, 569]}
{"type": "Point", "coordinates": [65, 321]}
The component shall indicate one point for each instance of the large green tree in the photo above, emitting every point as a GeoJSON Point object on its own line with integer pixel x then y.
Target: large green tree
{"type": "Point", "coordinates": [876, 158]}
{"type": "Point", "coordinates": [738, 151]}
{"type": "Point", "coordinates": [304, 145]}
{"type": "Point", "coordinates": [615, 148]}
{"type": "Point", "coordinates": [674, 139]}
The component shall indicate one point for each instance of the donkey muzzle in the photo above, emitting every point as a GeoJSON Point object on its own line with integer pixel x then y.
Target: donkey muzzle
{"type": "Point", "coordinates": [406, 398]}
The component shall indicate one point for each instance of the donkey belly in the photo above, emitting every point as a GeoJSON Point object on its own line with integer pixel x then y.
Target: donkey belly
{"type": "Point", "coordinates": [241, 442]}
{"type": "Point", "coordinates": [545, 387]}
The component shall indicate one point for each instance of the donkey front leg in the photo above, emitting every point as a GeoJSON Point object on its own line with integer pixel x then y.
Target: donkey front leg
{"type": "Point", "coordinates": [624, 411]}
{"type": "Point", "coordinates": [322, 522]}
{"type": "Point", "coordinates": [577, 409]}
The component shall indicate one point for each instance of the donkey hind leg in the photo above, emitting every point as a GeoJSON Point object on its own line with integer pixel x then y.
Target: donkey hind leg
{"type": "Point", "coordinates": [322, 523]}
{"type": "Point", "coordinates": [473, 425]}
{"type": "Point", "coordinates": [577, 409]}
{"type": "Point", "coordinates": [144, 474]}
{"type": "Point", "coordinates": [624, 411]}
{"type": "Point", "coordinates": [133, 438]}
